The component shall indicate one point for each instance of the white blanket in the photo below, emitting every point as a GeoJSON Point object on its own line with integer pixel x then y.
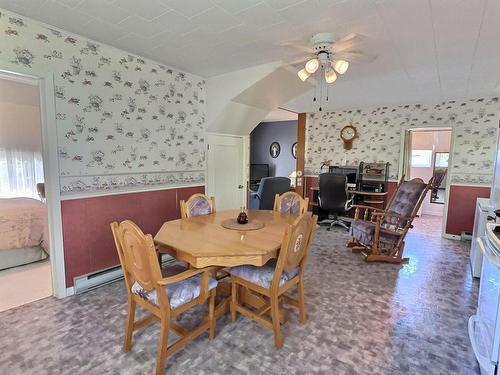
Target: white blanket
{"type": "Point", "coordinates": [23, 223]}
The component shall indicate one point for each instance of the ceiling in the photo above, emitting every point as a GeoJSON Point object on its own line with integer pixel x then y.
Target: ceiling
{"type": "Point", "coordinates": [280, 115]}
{"type": "Point", "coordinates": [426, 50]}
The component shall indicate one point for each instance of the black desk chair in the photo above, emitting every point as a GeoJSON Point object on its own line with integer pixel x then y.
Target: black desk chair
{"type": "Point", "coordinates": [263, 199]}
{"type": "Point", "coordinates": [333, 198]}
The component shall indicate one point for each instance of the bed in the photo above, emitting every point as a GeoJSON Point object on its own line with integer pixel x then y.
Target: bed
{"type": "Point", "coordinates": [23, 232]}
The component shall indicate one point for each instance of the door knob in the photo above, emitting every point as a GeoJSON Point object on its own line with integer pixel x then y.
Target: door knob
{"type": "Point", "coordinates": [240, 186]}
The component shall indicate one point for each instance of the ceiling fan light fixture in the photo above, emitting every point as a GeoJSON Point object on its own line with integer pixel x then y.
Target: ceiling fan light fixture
{"type": "Point", "coordinates": [330, 76]}
{"type": "Point", "coordinates": [341, 66]}
{"type": "Point", "coordinates": [303, 75]}
{"type": "Point", "coordinates": [312, 65]}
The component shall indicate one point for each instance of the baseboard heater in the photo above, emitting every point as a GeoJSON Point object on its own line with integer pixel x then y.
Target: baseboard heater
{"type": "Point", "coordinates": [84, 283]}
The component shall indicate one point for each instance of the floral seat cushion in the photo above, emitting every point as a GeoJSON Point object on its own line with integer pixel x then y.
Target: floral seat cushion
{"type": "Point", "coordinates": [262, 276]}
{"type": "Point", "coordinates": [364, 231]}
{"type": "Point", "coordinates": [178, 293]}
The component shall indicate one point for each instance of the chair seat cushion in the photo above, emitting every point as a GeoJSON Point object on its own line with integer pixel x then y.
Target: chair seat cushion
{"type": "Point", "coordinates": [262, 276]}
{"type": "Point", "coordinates": [178, 293]}
{"type": "Point", "coordinates": [364, 231]}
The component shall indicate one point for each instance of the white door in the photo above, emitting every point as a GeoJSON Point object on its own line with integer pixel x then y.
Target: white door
{"type": "Point", "coordinates": [225, 177]}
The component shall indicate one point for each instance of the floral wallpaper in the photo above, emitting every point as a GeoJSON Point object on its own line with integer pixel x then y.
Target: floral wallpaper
{"type": "Point", "coordinates": [475, 124]}
{"type": "Point", "coordinates": [122, 121]}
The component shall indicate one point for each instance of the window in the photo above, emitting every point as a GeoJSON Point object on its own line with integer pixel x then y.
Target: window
{"type": "Point", "coordinates": [20, 171]}
{"type": "Point", "coordinates": [421, 158]}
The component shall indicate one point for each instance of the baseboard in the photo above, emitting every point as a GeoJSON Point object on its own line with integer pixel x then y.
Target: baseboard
{"type": "Point", "coordinates": [70, 291]}
{"type": "Point", "coordinates": [452, 236]}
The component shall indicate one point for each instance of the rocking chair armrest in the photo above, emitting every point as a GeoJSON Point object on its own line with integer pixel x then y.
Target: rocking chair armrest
{"type": "Point", "coordinates": [186, 275]}
{"type": "Point", "coordinates": [368, 211]}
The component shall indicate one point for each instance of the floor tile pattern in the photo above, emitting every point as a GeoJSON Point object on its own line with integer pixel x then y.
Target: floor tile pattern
{"type": "Point", "coordinates": [362, 319]}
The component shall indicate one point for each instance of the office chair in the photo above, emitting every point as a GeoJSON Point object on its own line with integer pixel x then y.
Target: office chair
{"type": "Point", "coordinates": [333, 198]}
{"type": "Point", "coordinates": [263, 199]}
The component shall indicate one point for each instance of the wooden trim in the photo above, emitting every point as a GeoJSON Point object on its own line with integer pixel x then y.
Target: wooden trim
{"type": "Point", "coordinates": [301, 153]}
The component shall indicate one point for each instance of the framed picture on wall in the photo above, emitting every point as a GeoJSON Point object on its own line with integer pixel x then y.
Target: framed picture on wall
{"type": "Point", "coordinates": [275, 149]}
{"type": "Point", "coordinates": [294, 150]}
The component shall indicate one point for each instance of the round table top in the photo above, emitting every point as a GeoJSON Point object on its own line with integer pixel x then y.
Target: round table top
{"type": "Point", "coordinates": [202, 241]}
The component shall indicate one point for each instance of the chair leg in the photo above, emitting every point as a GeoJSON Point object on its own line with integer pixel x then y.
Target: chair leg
{"type": "Point", "coordinates": [161, 357]}
{"type": "Point", "coordinates": [211, 315]}
{"type": "Point", "coordinates": [275, 315]}
{"type": "Point", "coordinates": [302, 305]}
{"type": "Point", "coordinates": [129, 325]}
{"type": "Point", "coordinates": [234, 299]}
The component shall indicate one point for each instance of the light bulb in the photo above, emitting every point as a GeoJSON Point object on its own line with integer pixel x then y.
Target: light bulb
{"type": "Point", "coordinates": [303, 75]}
{"type": "Point", "coordinates": [341, 66]}
{"type": "Point", "coordinates": [312, 65]}
{"type": "Point", "coordinates": [330, 76]}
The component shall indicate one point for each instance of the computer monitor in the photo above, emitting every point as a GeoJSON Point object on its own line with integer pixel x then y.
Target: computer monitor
{"type": "Point", "coordinates": [258, 171]}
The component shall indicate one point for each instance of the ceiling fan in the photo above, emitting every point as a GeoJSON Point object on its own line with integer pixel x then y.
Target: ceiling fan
{"type": "Point", "coordinates": [329, 56]}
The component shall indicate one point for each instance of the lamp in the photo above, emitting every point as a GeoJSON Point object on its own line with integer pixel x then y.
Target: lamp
{"type": "Point", "coordinates": [312, 65]}
{"type": "Point", "coordinates": [303, 74]}
{"type": "Point", "coordinates": [340, 66]}
{"type": "Point", "coordinates": [330, 76]}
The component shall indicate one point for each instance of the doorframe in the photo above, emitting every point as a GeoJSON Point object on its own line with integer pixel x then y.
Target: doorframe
{"type": "Point", "coordinates": [402, 153]}
{"type": "Point", "coordinates": [245, 160]}
{"type": "Point", "coordinates": [51, 174]}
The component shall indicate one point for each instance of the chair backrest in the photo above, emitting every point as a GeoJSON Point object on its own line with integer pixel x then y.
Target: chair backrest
{"type": "Point", "coordinates": [197, 205]}
{"type": "Point", "coordinates": [332, 195]}
{"type": "Point", "coordinates": [40, 188]}
{"type": "Point", "coordinates": [439, 175]}
{"type": "Point", "coordinates": [138, 257]}
{"type": "Point", "coordinates": [290, 203]}
{"type": "Point", "coordinates": [269, 187]}
{"type": "Point", "coordinates": [407, 199]}
{"type": "Point", "coordinates": [295, 245]}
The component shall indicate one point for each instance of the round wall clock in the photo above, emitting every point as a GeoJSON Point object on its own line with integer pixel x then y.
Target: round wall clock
{"type": "Point", "coordinates": [294, 150]}
{"type": "Point", "coordinates": [348, 133]}
{"type": "Point", "coordinates": [275, 149]}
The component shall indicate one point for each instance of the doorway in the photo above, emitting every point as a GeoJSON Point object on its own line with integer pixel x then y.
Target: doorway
{"type": "Point", "coordinates": [25, 268]}
{"type": "Point", "coordinates": [428, 156]}
{"type": "Point", "coordinates": [273, 152]}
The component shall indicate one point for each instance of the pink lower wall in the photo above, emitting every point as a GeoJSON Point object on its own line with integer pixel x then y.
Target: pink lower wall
{"type": "Point", "coordinates": [88, 242]}
{"type": "Point", "coordinates": [461, 204]}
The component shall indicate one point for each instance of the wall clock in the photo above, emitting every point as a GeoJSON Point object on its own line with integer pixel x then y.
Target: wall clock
{"type": "Point", "coordinates": [348, 133]}
{"type": "Point", "coordinates": [275, 149]}
{"type": "Point", "coordinates": [294, 150]}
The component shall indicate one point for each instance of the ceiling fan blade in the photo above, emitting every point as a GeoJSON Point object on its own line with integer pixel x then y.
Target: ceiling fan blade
{"type": "Point", "coordinates": [299, 61]}
{"type": "Point", "coordinates": [297, 46]}
{"type": "Point", "coordinates": [348, 42]}
{"type": "Point", "coordinates": [355, 56]}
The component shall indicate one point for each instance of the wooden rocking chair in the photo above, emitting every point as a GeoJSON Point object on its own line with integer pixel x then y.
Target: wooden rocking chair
{"type": "Point", "coordinates": [379, 234]}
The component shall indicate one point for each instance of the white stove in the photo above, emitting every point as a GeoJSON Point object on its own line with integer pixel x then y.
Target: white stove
{"type": "Point", "coordinates": [484, 327]}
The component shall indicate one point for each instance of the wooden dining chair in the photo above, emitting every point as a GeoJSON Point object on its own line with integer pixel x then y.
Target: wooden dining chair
{"type": "Point", "coordinates": [274, 279]}
{"type": "Point", "coordinates": [197, 205]}
{"type": "Point", "coordinates": [290, 203]}
{"type": "Point", "coordinates": [164, 297]}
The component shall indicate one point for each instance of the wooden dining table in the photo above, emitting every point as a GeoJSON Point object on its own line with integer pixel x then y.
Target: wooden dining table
{"type": "Point", "coordinates": [202, 241]}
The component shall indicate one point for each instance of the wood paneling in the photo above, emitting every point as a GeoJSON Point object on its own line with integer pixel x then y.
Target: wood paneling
{"type": "Point", "coordinates": [301, 151]}
{"type": "Point", "coordinates": [88, 242]}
